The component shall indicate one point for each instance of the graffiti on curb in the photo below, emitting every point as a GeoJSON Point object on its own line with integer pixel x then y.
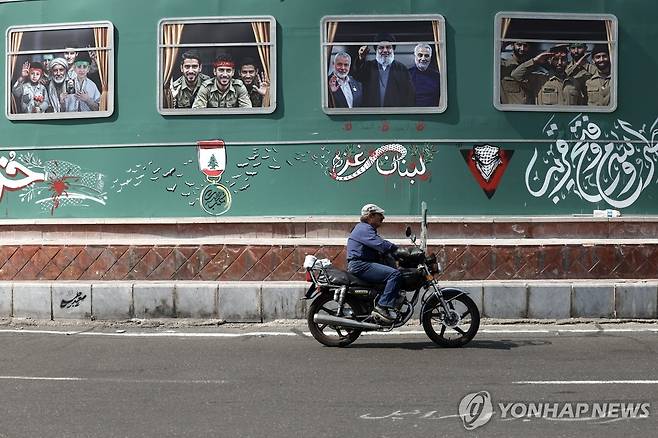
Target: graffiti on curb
{"type": "Point", "coordinates": [73, 302]}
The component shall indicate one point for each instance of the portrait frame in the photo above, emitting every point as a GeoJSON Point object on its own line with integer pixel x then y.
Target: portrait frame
{"type": "Point", "coordinates": [173, 35]}
{"type": "Point", "coordinates": [505, 33]}
{"type": "Point", "coordinates": [427, 28]}
{"type": "Point", "coordinates": [24, 43]}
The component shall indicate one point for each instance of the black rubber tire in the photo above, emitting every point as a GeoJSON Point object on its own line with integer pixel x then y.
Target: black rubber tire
{"type": "Point", "coordinates": [460, 302]}
{"type": "Point", "coordinates": [344, 335]}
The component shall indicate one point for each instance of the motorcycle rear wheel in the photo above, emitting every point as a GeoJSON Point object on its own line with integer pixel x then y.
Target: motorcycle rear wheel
{"type": "Point", "coordinates": [456, 329]}
{"type": "Point", "coordinates": [329, 335]}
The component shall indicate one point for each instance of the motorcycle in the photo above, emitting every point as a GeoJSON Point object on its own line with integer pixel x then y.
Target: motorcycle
{"type": "Point", "coordinates": [342, 303]}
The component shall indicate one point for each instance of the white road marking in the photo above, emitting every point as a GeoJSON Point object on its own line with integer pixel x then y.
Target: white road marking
{"type": "Point", "coordinates": [167, 334]}
{"type": "Point", "coordinates": [111, 380]}
{"type": "Point", "coordinates": [294, 332]}
{"type": "Point", "coordinates": [573, 330]}
{"type": "Point", "coordinates": [586, 382]}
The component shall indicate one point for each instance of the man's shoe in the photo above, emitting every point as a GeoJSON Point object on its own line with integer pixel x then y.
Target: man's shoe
{"type": "Point", "coordinates": [385, 313]}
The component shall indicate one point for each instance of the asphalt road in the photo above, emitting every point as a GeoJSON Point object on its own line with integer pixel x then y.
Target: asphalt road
{"type": "Point", "coordinates": [198, 383]}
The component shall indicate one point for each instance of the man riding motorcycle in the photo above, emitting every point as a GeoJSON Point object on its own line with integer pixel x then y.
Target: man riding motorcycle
{"type": "Point", "coordinates": [365, 250]}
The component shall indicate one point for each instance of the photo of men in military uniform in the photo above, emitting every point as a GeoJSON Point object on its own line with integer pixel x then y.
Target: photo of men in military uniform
{"type": "Point", "coordinates": [216, 64]}
{"type": "Point", "coordinates": [537, 67]}
{"type": "Point", "coordinates": [223, 91]}
{"type": "Point", "coordinates": [511, 90]}
{"type": "Point", "coordinates": [550, 85]}
{"type": "Point", "coordinates": [598, 85]}
{"type": "Point", "coordinates": [185, 88]}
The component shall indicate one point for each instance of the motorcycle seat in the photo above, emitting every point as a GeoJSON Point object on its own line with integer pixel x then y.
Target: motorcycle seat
{"type": "Point", "coordinates": [344, 278]}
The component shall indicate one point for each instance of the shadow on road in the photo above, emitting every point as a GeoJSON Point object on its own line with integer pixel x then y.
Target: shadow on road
{"type": "Point", "coordinates": [504, 344]}
{"type": "Point", "coordinates": [423, 345]}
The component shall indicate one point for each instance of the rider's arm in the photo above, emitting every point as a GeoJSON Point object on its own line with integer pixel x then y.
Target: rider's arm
{"type": "Point", "coordinates": [366, 235]}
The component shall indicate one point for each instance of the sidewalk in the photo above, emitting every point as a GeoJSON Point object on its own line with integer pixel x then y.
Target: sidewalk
{"type": "Point", "coordinates": [219, 329]}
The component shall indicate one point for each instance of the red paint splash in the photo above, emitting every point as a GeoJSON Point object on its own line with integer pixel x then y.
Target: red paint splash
{"type": "Point", "coordinates": [420, 126]}
{"type": "Point", "coordinates": [385, 126]}
{"type": "Point", "coordinates": [347, 126]}
{"type": "Point", "coordinates": [59, 187]}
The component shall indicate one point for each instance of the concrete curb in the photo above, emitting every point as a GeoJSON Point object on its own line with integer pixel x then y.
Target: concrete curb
{"type": "Point", "coordinates": [268, 301]}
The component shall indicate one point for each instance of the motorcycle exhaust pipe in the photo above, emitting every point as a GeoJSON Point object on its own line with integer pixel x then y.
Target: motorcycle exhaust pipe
{"type": "Point", "coordinates": [344, 322]}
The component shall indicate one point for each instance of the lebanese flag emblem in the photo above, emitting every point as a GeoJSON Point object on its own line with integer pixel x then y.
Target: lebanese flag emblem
{"type": "Point", "coordinates": [212, 157]}
{"type": "Point", "coordinates": [487, 163]}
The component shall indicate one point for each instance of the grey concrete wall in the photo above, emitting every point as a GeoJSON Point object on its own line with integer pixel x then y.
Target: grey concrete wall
{"type": "Point", "coordinates": [267, 301]}
{"type": "Point", "coordinates": [71, 300]}
{"type": "Point", "coordinates": [112, 300]}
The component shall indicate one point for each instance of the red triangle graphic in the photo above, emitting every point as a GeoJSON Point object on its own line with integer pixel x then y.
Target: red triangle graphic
{"type": "Point", "coordinates": [490, 186]}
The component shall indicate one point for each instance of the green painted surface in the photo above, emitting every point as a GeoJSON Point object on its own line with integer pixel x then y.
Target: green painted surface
{"type": "Point", "coordinates": [305, 187]}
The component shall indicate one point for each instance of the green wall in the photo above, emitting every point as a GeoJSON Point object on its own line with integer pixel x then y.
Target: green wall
{"type": "Point", "coordinates": [301, 187]}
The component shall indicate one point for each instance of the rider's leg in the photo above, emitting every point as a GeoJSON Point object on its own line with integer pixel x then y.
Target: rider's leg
{"type": "Point", "coordinates": [392, 289]}
{"type": "Point", "coordinates": [378, 273]}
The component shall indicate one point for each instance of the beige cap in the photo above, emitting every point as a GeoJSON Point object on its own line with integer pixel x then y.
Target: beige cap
{"type": "Point", "coordinates": [371, 208]}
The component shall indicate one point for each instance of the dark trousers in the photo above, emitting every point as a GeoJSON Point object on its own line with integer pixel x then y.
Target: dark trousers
{"type": "Point", "coordinates": [378, 273]}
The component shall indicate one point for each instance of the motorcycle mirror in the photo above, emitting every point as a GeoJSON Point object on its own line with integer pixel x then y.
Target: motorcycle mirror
{"type": "Point", "coordinates": [407, 232]}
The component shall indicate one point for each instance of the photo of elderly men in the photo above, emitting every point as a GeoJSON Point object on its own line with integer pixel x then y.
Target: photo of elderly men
{"type": "Point", "coordinates": [70, 78]}
{"type": "Point", "coordinates": [384, 65]}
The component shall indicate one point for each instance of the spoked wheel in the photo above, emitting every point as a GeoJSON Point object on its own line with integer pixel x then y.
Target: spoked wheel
{"type": "Point", "coordinates": [457, 326]}
{"type": "Point", "coordinates": [330, 335]}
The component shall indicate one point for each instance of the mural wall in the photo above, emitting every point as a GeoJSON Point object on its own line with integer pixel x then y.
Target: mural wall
{"type": "Point", "coordinates": [580, 167]}
{"type": "Point", "coordinates": [144, 159]}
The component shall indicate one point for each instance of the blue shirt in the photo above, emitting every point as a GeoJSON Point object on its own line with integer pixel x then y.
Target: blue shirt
{"type": "Point", "coordinates": [365, 244]}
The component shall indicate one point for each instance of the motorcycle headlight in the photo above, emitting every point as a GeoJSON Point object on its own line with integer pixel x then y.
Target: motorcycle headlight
{"type": "Point", "coordinates": [433, 264]}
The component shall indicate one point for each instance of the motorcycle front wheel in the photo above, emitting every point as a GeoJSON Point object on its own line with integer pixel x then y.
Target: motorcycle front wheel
{"type": "Point", "coordinates": [454, 326]}
{"type": "Point", "coordinates": [330, 335]}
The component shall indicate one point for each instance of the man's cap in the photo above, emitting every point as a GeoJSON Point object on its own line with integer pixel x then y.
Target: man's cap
{"type": "Point", "coordinates": [577, 45]}
{"type": "Point", "coordinates": [384, 36]}
{"type": "Point", "coordinates": [560, 48]}
{"type": "Point", "coordinates": [371, 208]}
{"type": "Point", "coordinates": [59, 61]}
{"type": "Point", "coordinates": [36, 66]}
{"type": "Point", "coordinates": [83, 57]}
{"type": "Point", "coordinates": [600, 48]}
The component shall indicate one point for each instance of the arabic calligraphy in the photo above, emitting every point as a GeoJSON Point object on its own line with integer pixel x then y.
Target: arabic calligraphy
{"type": "Point", "coordinates": [11, 168]}
{"type": "Point", "coordinates": [596, 166]}
{"type": "Point", "coordinates": [388, 160]}
{"type": "Point", "coordinates": [401, 415]}
{"type": "Point", "coordinates": [73, 302]}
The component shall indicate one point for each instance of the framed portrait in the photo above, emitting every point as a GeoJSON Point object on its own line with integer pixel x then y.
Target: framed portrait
{"type": "Point", "coordinates": [60, 71]}
{"type": "Point", "coordinates": [217, 65]}
{"type": "Point", "coordinates": [555, 62]}
{"type": "Point", "coordinates": [383, 64]}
